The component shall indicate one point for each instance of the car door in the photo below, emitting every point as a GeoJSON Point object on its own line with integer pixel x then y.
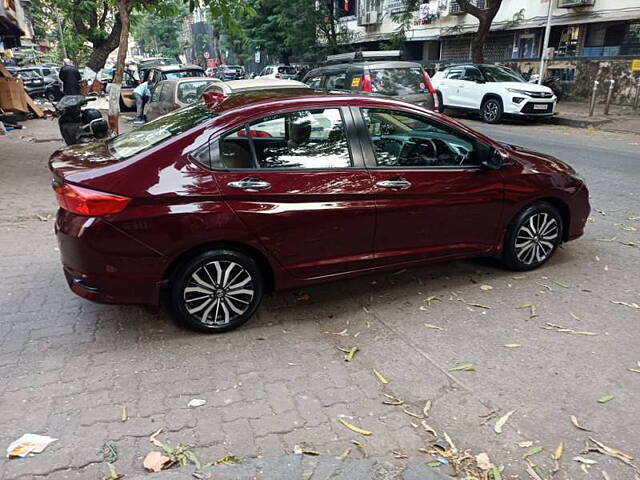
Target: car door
{"type": "Point", "coordinates": [152, 108]}
{"type": "Point", "coordinates": [294, 181]}
{"type": "Point", "coordinates": [472, 88]}
{"type": "Point", "coordinates": [450, 86]}
{"type": "Point", "coordinates": [433, 198]}
{"type": "Point", "coordinates": [167, 97]}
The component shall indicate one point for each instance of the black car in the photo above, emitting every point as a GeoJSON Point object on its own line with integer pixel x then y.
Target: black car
{"type": "Point", "coordinates": [34, 83]}
{"type": "Point", "coordinates": [230, 72]}
{"type": "Point", "coordinates": [360, 72]}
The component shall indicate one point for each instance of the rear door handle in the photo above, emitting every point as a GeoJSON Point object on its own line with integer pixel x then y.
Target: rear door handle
{"type": "Point", "coordinates": [398, 183]}
{"type": "Point", "coordinates": [250, 185]}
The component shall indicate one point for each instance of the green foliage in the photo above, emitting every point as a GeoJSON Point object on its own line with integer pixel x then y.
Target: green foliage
{"type": "Point", "coordinates": [160, 32]}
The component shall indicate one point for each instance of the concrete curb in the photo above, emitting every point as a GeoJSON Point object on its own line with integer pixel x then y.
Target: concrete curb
{"type": "Point", "coordinates": [579, 122]}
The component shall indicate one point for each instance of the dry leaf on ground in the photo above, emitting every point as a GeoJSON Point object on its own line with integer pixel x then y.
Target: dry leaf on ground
{"type": "Point", "coordinates": [576, 424]}
{"type": "Point", "coordinates": [533, 451]}
{"type": "Point", "coordinates": [502, 421]}
{"type": "Point", "coordinates": [483, 462]}
{"type": "Point", "coordinates": [380, 377]}
{"type": "Point", "coordinates": [559, 451]}
{"type": "Point", "coordinates": [427, 407]}
{"type": "Point", "coordinates": [605, 398]}
{"type": "Point", "coordinates": [349, 356]}
{"type": "Point", "coordinates": [156, 461]}
{"type": "Point", "coordinates": [486, 288]}
{"type": "Point", "coordinates": [586, 461]}
{"type": "Point", "coordinates": [465, 367]}
{"type": "Point", "coordinates": [354, 428]}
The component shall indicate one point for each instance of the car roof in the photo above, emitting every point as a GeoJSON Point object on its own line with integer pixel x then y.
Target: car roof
{"type": "Point", "coordinates": [361, 65]}
{"type": "Point", "coordinates": [174, 67]}
{"type": "Point", "coordinates": [191, 79]}
{"type": "Point", "coordinates": [235, 86]}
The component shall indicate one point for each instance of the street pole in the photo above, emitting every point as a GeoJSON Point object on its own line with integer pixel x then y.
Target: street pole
{"type": "Point", "coordinates": [545, 45]}
{"type": "Point", "coordinates": [637, 99]}
{"type": "Point", "coordinates": [609, 95]}
{"type": "Point", "coordinates": [592, 103]}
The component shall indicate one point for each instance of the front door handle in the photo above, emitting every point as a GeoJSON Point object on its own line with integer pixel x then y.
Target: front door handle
{"type": "Point", "coordinates": [399, 183]}
{"type": "Point", "coordinates": [250, 184]}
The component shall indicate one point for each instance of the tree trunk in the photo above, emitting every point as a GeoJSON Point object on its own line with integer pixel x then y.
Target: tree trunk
{"type": "Point", "coordinates": [114, 90]}
{"type": "Point", "coordinates": [216, 47]}
{"type": "Point", "coordinates": [333, 36]}
{"type": "Point", "coordinates": [479, 39]}
{"type": "Point", "coordinates": [102, 49]}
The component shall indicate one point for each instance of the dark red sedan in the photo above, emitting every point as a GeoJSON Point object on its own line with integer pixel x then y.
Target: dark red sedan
{"type": "Point", "coordinates": [217, 203]}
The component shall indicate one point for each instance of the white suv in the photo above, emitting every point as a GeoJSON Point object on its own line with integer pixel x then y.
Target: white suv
{"type": "Point", "coordinates": [493, 91]}
{"type": "Point", "coordinates": [285, 72]}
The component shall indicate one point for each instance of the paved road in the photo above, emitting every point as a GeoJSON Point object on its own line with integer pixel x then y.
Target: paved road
{"type": "Point", "coordinates": [68, 366]}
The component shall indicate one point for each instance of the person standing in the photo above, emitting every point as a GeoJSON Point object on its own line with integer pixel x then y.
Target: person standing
{"type": "Point", "coordinates": [70, 77]}
{"type": "Point", "coordinates": [140, 94]}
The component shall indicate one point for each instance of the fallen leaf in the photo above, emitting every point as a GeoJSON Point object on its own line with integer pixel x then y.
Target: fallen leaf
{"type": "Point", "coordinates": [113, 474]}
{"type": "Point", "coordinates": [605, 398]}
{"type": "Point", "coordinates": [465, 367]}
{"type": "Point", "coordinates": [196, 402]}
{"type": "Point", "coordinates": [586, 461]}
{"type": "Point", "coordinates": [228, 459]}
{"type": "Point", "coordinates": [156, 461]}
{"type": "Point", "coordinates": [125, 414]}
{"type": "Point", "coordinates": [483, 462]}
{"type": "Point", "coordinates": [533, 451]}
{"type": "Point", "coordinates": [536, 472]}
{"type": "Point", "coordinates": [428, 428]}
{"type": "Point", "coordinates": [360, 447]}
{"type": "Point", "coordinates": [479, 305]}
{"type": "Point", "coordinates": [574, 316]}
{"type": "Point", "coordinates": [559, 451]}
{"type": "Point", "coordinates": [449, 441]}
{"type": "Point", "coordinates": [486, 288]}
{"type": "Point", "coordinates": [154, 440]}
{"type": "Point", "coordinates": [494, 474]}
{"type": "Point", "coordinates": [410, 413]}
{"type": "Point", "coordinates": [434, 327]}
{"type": "Point", "coordinates": [299, 450]}
{"type": "Point", "coordinates": [349, 356]}
{"type": "Point", "coordinates": [612, 452]}
{"type": "Point", "coordinates": [574, 420]}
{"type": "Point", "coordinates": [605, 475]}
{"type": "Point", "coordinates": [427, 407]}
{"type": "Point", "coordinates": [502, 421]}
{"type": "Point", "coordinates": [354, 428]}
{"type": "Point", "coordinates": [431, 299]}
{"type": "Point", "coordinates": [343, 333]}
{"type": "Point", "coordinates": [626, 304]}
{"type": "Point", "coordinates": [525, 444]}
{"type": "Point", "coordinates": [512, 345]}
{"type": "Point", "coordinates": [561, 284]}
{"type": "Point", "coordinates": [635, 370]}
{"type": "Point", "coordinates": [380, 377]}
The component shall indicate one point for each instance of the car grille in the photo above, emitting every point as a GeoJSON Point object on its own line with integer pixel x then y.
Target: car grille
{"type": "Point", "coordinates": [530, 108]}
{"type": "Point", "coordinates": [540, 94]}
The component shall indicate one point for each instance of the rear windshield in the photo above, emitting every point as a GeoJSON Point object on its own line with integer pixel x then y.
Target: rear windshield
{"type": "Point", "coordinates": [287, 70]}
{"type": "Point", "coordinates": [397, 81]}
{"type": "Point", "coordinates": [190, 92]}
{"type": "Point", "coordinates": [151, 134]}
{"type": "Point", "coordinates": [183, 74]}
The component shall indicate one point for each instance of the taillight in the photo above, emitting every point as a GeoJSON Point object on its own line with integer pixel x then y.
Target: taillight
{"type": "Point", "coordinates": [89, 203]}
{"type": "Point", "coordinates": [365, 83]}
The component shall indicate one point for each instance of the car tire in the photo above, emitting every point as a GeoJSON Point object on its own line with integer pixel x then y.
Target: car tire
{"type": "Point", "coordinates": [491, 110]}
{"type": "Point", "coordinates": [51, 96]}
{"type": "Point", "coordinates": [200, 298]}
{"type": "Point", "coordinates": [532, 237]}
{"type": "Point", "coordinates": [441, 106]}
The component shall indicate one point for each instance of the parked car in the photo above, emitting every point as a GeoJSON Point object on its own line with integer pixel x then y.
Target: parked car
{"type": "Point", "coordinates": [53, 91]}
{"type": "Point", "coordinates": [34, 83]}
{"type": "Point", "coordinates": [171, 72]}
{"type": "Point", "coordinates": [493, 91]}
{"type": "Point", "coordinates": [49, 73]}
{"type": "Point", "coordinates": [170, 95]}
{"type": "Point", "coordinates": [129, 83]}
{"type": "Point", "coordinates": [286, 72]}
{"type": "Point", "coordinates": [240, 86]}
{"type": "Point", "coordinates": [357, 71]}
{"type": "Point", "coordinates": [214, 204]}
{"type": "Point", "coordinates": [230, 72]}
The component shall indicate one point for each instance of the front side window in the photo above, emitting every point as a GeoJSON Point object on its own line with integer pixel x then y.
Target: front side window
{"type": "Point", "coordinates": [501, 74]}
{"type": "Point", "coordinates": [314, 82]}
{"type": "Point", "coordinates": [402, 140]}
{"type": "Point", "coordinates": [308, 139]}
{"type": "Point", "coordinates": [455, 73]}
{"type": "Point", "coordinates": [472, 74]}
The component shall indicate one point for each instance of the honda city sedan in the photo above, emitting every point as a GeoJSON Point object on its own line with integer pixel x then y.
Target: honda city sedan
{"type": "Point", "coordinates": [208, 208]}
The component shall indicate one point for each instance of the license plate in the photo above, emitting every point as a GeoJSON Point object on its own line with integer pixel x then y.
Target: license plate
{"type": "Point", "coordinates": [540, 107]}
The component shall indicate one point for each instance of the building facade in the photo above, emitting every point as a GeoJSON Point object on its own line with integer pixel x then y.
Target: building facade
{"type": "Point", "coordinates": [590, 39]}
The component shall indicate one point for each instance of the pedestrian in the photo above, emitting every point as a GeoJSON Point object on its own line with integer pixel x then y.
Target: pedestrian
{"type": "Point", "coordinates": [70, 77]}
{"type": "Point", "coordinates": [141, 94]}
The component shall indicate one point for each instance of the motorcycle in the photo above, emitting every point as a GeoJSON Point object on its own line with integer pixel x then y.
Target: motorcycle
{"type": "Point", "coordinates": [552, 82]}
{"type": "Point", "coordinates": [78, 125]}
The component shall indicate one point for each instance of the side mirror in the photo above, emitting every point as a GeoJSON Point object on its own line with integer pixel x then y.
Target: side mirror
{"type": "Point", "coordinates": [493, 160]}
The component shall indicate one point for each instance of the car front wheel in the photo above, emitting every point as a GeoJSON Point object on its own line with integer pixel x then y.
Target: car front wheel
{"type": "Point", "coordinates": [532, 237]}
{"type": "Point", "coordinates": [216, 291]}
{"type": "Point", "coordinates": [491, 110]}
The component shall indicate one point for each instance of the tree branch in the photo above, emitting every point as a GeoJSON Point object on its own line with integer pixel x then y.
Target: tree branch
{"type": "Point", "coordinates": [470, 8]}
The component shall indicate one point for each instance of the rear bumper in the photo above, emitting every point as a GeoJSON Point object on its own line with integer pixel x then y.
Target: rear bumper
{"type": "Point", "coordinates": [104, 265]}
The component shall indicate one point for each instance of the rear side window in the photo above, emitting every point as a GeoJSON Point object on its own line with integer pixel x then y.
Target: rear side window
{"type": "Point", "coordinates": [314, 82]}
{"type": "Point", "coordinates": [397, 81]}
{"type": "Point", "coordinates": [287, 70]}
{"type": "Point", "coordinates": [336, 81]}
{"type": "Point", "coordinates": [152, 133]}
{"type": "Point", "coordinates": [190, 92]}
{"type": "Point", "coordinates": [308, 139]}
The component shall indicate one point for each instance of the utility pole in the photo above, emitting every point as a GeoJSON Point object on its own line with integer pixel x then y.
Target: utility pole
{"type": "Point", "coordinates": [545, 45]}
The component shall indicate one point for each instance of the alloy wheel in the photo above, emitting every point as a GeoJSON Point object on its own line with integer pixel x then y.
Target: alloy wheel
{"type": "Point", "coordinates": [218, 292]}
{"type": "Point", "coordinates": [536, 238]}
{"type": "Point", "coordinates": [491, 111]}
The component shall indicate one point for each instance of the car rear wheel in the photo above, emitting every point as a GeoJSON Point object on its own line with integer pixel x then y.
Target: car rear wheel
{"type": "Point", "coordinates": [216, 291]}
{"type": "Point", "coordinates": [491, 110]}
{"type": "Point", "coordinates": [532, 237]}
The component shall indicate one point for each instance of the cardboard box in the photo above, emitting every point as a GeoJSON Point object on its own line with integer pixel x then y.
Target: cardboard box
{"type": "Point", "coordinates": [12, 95]}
